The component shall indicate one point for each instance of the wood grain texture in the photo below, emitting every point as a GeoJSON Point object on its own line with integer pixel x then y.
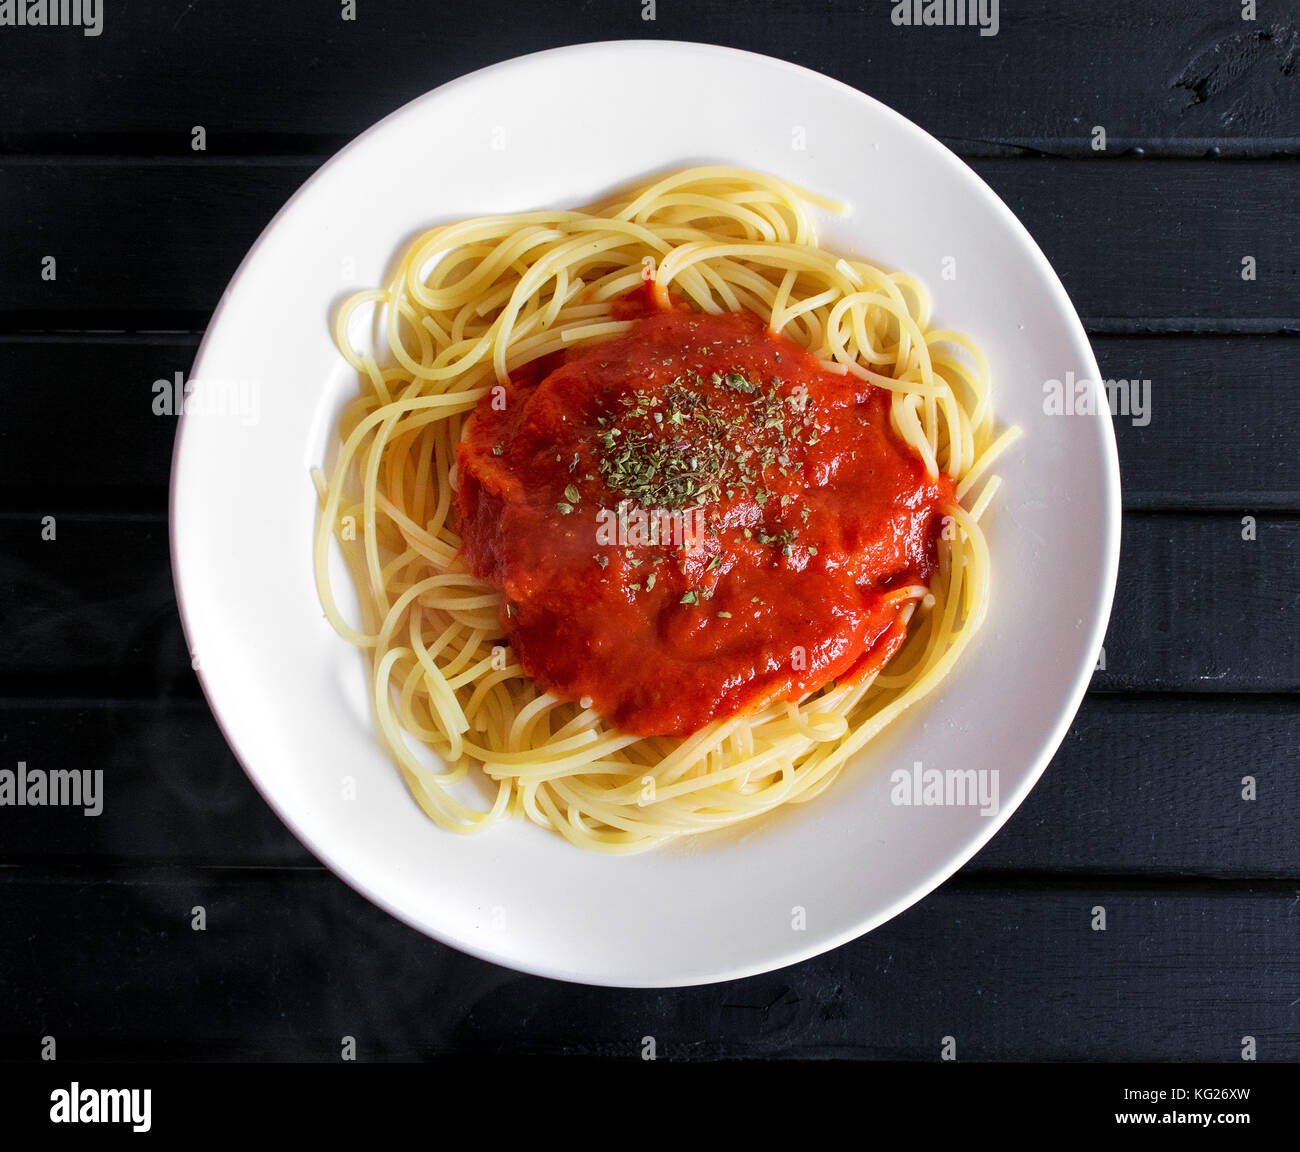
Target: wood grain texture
{"type": "Point", "coordinates": [1141, 811]}
{"type": "Point", "coordinates": [1155, 785]}
{"type": "Point", "coordinates": [1182, 78]}
{"type": "Point", "coordinates": [290, 962]}
{"type": "Point", "coordinates": [1225, 423]}
{"type": "Point", "coordinates": [111, 451]}
{"type": "Point", "coordinates": [1147, 786]}
{"type": "Point", "coordinates": [1149, 244]}
{"type": "Point", "coordinates": [1199, 608]}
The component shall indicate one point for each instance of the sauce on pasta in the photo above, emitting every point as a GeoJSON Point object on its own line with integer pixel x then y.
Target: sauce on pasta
{"type": "Point", "coordinates": [694, 519]}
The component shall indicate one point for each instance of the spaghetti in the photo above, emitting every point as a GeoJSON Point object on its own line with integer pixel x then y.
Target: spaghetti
{"type": "Point", "coordinates": [478, 306]}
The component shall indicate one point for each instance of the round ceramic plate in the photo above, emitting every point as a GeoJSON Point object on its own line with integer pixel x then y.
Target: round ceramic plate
{"type": "Point", "coordinates": [561, 129]}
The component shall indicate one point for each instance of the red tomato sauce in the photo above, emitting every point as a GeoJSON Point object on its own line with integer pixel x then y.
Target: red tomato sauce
{"type": "Point", "coordinates": [787, 510]}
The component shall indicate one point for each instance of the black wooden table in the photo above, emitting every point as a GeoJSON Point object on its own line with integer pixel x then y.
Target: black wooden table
{"type": "Point", "coordinates": [1179, 242]}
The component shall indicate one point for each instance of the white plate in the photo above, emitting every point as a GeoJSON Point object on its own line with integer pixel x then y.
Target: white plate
{"type": "Point", "coordinates": [560, 129]}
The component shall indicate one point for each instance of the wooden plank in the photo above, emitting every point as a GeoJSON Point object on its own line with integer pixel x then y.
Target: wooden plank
{"type": "Point", "coordinates": [1149, 786]}
{"type": "Point", "coordinates": [171, 788]}
{"type": "Point", "coordinates": [1157, 785]}
{"type": "Point", "coordinates": [1148, 244]}
{"type": "Point", "coordinates": [1197, 608]}
{"type": "Point", "coordinates": [1224, 429]}
{"type": "Point", "coordinates": [291, 962]}
{"type": "Point", "coordinates": [114, 453]}
{"type": "Point", "coordinates": [1201, 608]}
{"type": "Point", "coordinates": [1184, 78]}
{"type": "Point", "coordinates": [1165, 240]}
{"type": "Point", "coordinates": [162, 238]}
{"type": "Point", "coordinates": [94, 605]}
{"type": "Point", "coordinates": [1222, 434]}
